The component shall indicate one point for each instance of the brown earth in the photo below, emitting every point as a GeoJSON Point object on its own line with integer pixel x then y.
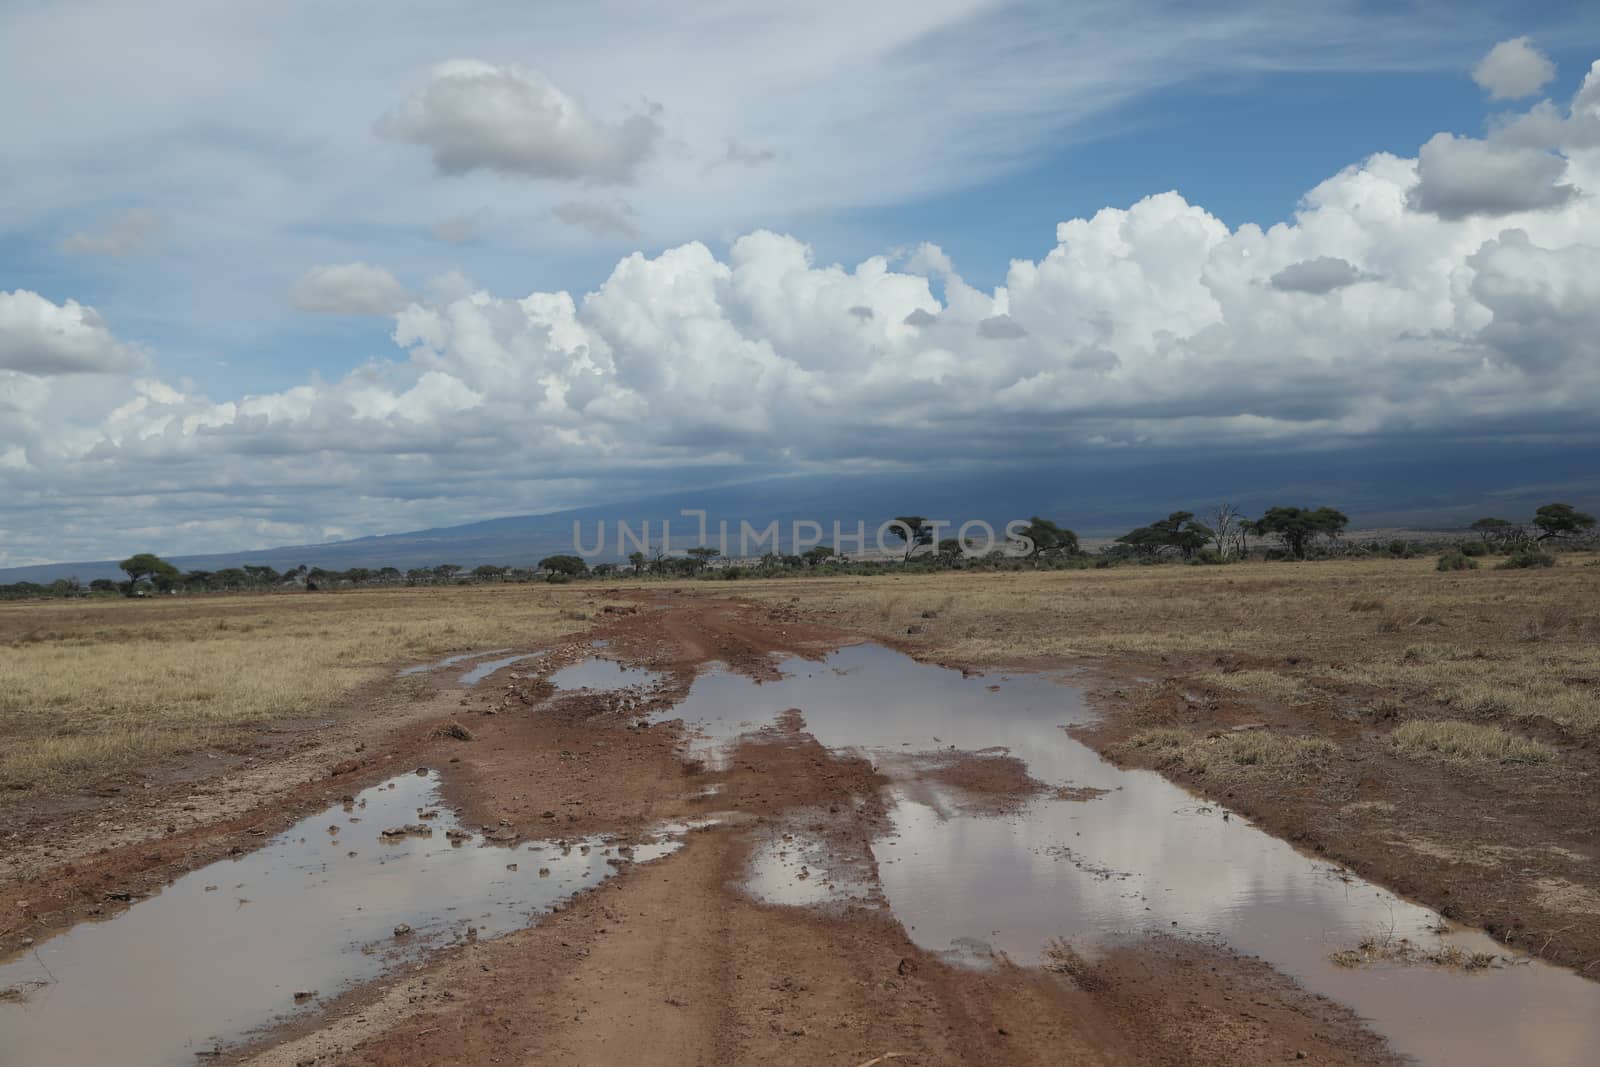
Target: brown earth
{"type": "Point", "coordinates": [673, 962]}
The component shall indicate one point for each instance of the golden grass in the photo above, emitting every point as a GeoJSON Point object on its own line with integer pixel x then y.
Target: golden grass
{"type": "Point", "coordinates": [1481, 645]}
{"type": "Point", "coordinates": [1248, 750]}
{"type": "Point", "coordinates": [1467, 742]}
{"type": "Point", "coordinates": [91, 687]}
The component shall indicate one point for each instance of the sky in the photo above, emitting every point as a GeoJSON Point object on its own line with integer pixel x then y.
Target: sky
{"type": "Point", "coordinates": [289, 272]}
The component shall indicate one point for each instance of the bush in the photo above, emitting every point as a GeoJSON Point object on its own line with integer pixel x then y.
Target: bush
{"type": "Point", "coordinates": [1526, 558]}
{"type": "Point", "coordinates": [1474, 548]}
{"type": "Point", "coordinates": [1456, 561]}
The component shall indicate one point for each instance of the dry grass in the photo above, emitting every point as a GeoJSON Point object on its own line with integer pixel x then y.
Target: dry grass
{"type": "Point", "coordinates": [1404, 951]}
{"type": "Point", "coordinates": [1479, 645]}
{"type": "Point", "coordinates": [93, 687]}
{"type": "Point", "coordinates": [1468, 742]}
{"type": "Point", "coordinates": [1251, 750]}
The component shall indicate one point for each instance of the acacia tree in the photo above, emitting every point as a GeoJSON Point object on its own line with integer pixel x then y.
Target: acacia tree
{"type": "Point", "coordinates": [1298, 528]}
{"type": "Point", "coordinates": [1049, 539]}
{"type": "Point", "coordinates": [569, 565]}
{"type": "Point", "coordinates": [1498, 532]}
{"type": "Point", "coordinates": [700, 557]}
{"type": "Point", "coordinates": [817, 555]}
{"type": "Point", "coordinates": [913, 530]}
{"type": "Point", "coordinates": [147, 566]}
{"type": "Point", "coordinates": [1561, 522]}
{"type": "Point", "coordinates": [636, 559]}
{"type": "Point", "coordinates": [1178, 530]}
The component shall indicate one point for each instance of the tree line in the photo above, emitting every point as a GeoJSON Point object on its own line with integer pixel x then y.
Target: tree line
{"type": "Point", "coordinates": [1221, 535]}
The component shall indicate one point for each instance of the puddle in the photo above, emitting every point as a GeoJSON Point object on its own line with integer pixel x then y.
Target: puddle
{"type": "Point", "coordinates": [1144, 855]}
{"type": "Point", "coordinates": [448, 661]}
{"type": "Point", "coordinates": [797, 867]}
{"type": "Point", "coordinates": [483, 670]}
{"type": "Point", "coordinates": [602, 675]}
{"type": "Point", "coordinates": [222, 951]}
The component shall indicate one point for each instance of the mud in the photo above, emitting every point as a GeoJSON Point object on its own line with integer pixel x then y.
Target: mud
{"type": "Point", "coordinates": [342, 897]}
{"type": "Point", "coordinates": [904, 860]}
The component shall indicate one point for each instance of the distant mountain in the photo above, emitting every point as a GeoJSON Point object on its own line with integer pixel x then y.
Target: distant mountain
{"type": "Point", "coordinates": [1377, 487]}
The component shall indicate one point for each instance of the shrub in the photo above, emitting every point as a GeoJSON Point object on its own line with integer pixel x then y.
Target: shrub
{"type": "Point", "coordinates": [1455, 560]}
{"type": "Point", "coordinates": [1474, 548]}
{"type": "Point", "coordinates": [1527, 558]}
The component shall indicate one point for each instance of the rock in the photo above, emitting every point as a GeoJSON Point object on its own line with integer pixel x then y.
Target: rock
{"type": "Point", "coordinates": [916, 629]}
{"type": "Point", "coordinates": [348, 766]}
{"type": "Point", "coordinates": [303, 995]}
{"type": "Point", "coordinates": [402, 930]}
{"type": "Point", "coordinates": [906, 967]}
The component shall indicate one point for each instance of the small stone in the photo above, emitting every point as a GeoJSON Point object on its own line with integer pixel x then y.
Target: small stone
{"type": "Point", "coordinates": [402, 930]}
{"type": "Point", "coordinates": [303, 995]}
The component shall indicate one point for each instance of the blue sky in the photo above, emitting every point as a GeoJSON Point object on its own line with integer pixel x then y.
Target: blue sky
{"type": "Point", "coordinates": [216, 226]}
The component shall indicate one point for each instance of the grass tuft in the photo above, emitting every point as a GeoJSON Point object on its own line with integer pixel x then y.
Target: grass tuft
{"type": "Point", "coordinates": [1467, 742]}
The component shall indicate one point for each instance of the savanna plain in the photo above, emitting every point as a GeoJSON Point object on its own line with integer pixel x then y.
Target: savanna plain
{"type": "Point", "coordinates": [744, 765]}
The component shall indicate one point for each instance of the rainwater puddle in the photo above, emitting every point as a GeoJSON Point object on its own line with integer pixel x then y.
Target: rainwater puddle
{"type": "Point", "coordinates": [483, 670]}
{"type": "Point", "coordinates": [448, 661]}
{"type": "Point", "coordinates": [603, 676]}
{"type": "Point", "coordinates": [794, 866]}
{"type": "Point", "coordinates": [222, 951]}
{"type": "Point", "coordinates": [1143, 856]}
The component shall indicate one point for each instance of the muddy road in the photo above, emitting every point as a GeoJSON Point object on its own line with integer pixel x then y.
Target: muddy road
{"type": "Point", "coordinates": [706, 832]}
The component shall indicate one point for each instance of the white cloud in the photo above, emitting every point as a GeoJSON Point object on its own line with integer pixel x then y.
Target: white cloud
{"type": "Point", "coordinates": [477, 116]}
{"type": "Point", "coordinates": [1141, 325]}
{"type": "Point", "coordinates": [603, 219]}
{"type": "Point", "coordinates": [349, 289]}
{"type": "Point", "coordinates": [1001, 328]}
{"type": "Point", "coordinates": [1461, 176]}
{"type": "Point", "coordinates": [1323, 274]}
{"type": "Point", "coordinates": [132, 233]}
{"type": "Point", "coordinates": [40, 338]}
{"type": "Point", "coordinates": [1513, 69]}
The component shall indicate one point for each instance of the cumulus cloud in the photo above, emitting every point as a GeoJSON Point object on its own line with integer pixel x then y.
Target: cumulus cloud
{"type": "Point", "coordinates": [477, 116]}
{"type": "Point", "coordinates": [1462, 176]}
{"type": "Point", "coordinates": [349, 289]}
{"type": "Point", "coordinates": [1001, 328]}
{"type": "Point", "coordinates": [603, 219]}
{"type": "Point", "coordinates": [132, 233]}
{"type": "Point", "coordinates": [41, 339]}
{"type": "Point", "coordinates": [1142, 326]}
{"type": "Point", "coordinates": [1321, 275]}
{"type": "Point", "coordinates": [1513, 69]}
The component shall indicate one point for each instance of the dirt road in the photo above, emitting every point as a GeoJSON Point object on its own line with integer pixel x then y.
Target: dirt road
{"type": "Point", "coordinates": [677, 960]}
